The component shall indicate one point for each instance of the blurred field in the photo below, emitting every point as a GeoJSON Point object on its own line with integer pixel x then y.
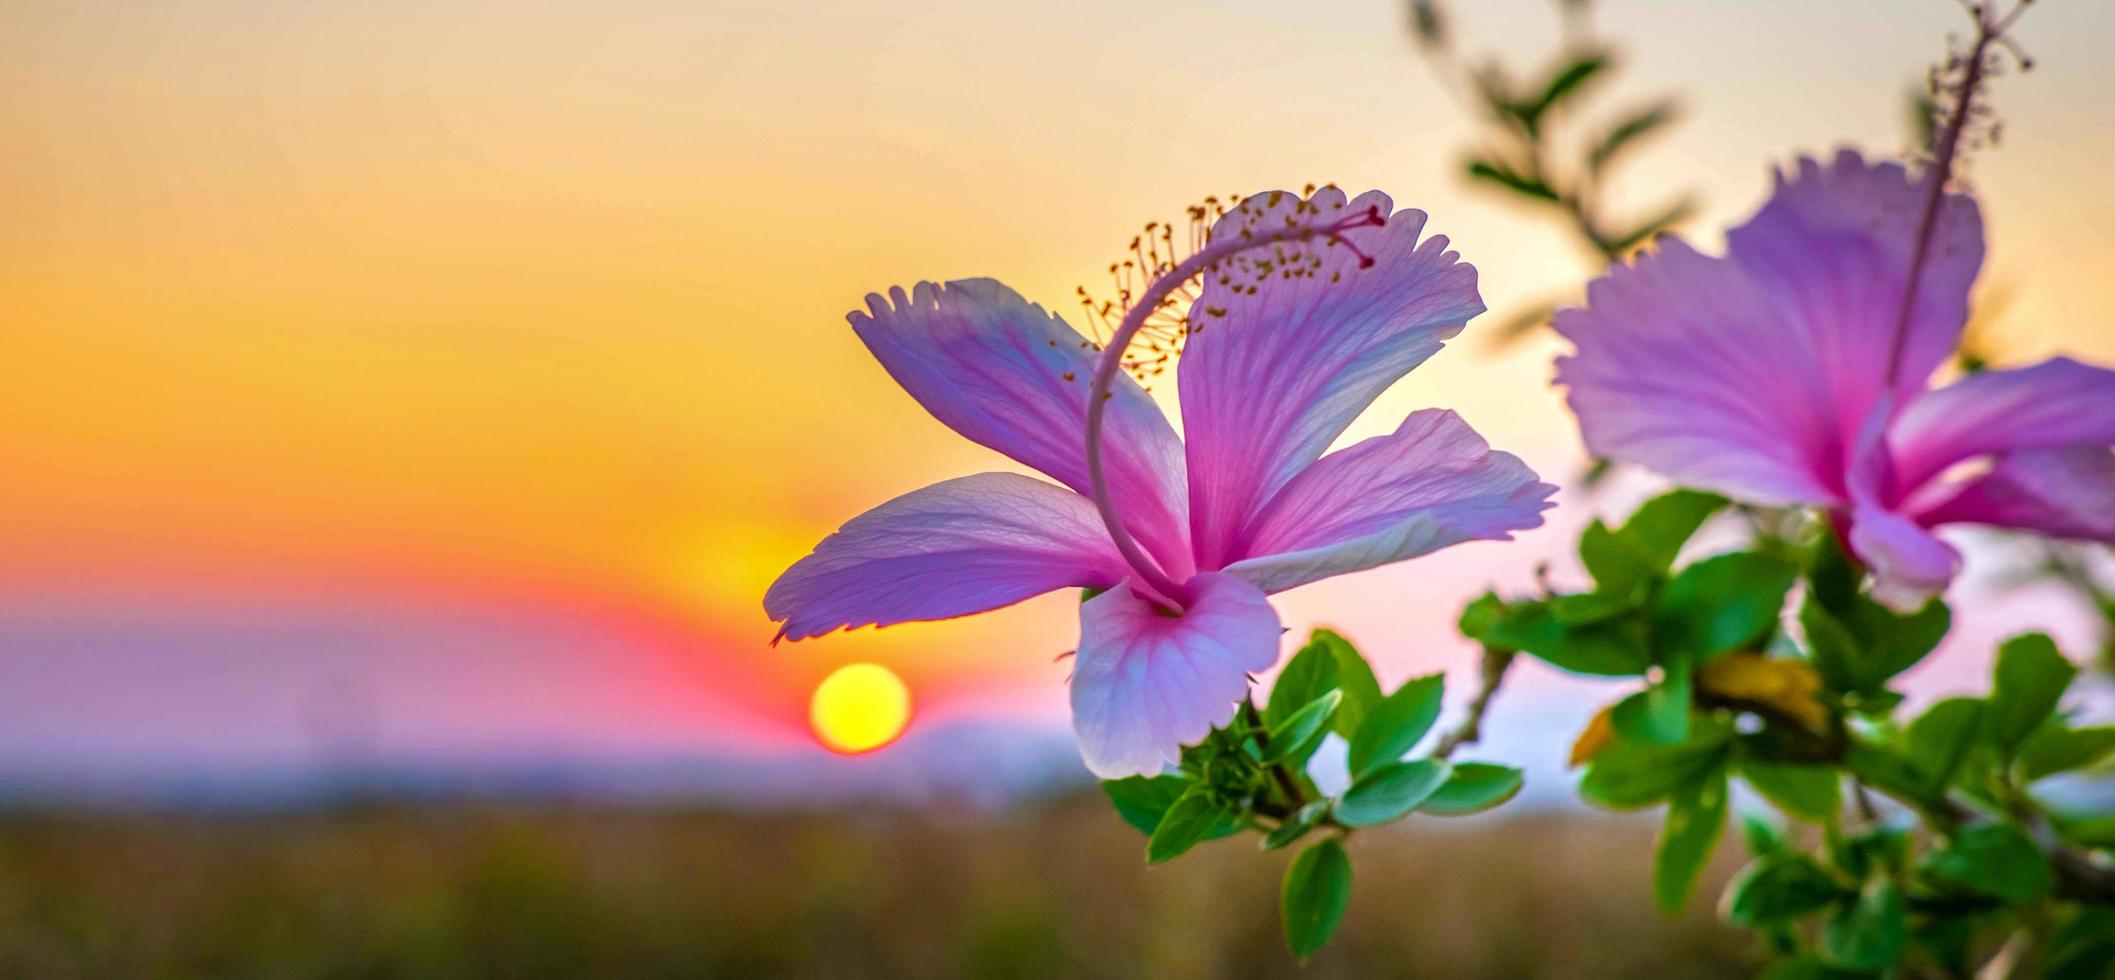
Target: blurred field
{"type": "Point", "coordinates": [1054, 889]}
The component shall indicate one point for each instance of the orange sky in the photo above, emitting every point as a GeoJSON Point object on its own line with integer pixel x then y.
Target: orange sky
{"type": "Point", "coordinates": [506, 306]}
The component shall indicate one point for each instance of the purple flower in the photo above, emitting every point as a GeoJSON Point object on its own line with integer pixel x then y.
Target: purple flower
{"type": "Point", "coordinates": [1789, 373]}
{"type": "Point", "coordinates": [1295, 330]}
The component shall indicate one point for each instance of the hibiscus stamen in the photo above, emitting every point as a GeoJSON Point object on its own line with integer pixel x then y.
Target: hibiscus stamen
{"type": "Point", "coordinates": [1975, 68]}
{"type": "Point", "coordinates": [1176, 284]}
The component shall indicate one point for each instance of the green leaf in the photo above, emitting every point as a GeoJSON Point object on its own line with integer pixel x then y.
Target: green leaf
{"type": "Point", "coordinates": [1627, 775]}
{"type": "Point", "coordinates": [1627, 131]}
{"type": "Point", "coordinates": [1354, 678]}
{"type": "Point", "coordinates": [1898, 642]}
{"type": "Point", "coordinates": [1940, 738]}
{"type": "Point", "coordinates": [1808, 792]}
{"type": "Point", "coordinates": [1995, 859]}
{"type": "Point", "coordinates": [1567, 81]}
{"type": "Point", "coordinates": [2097, 833]}
{"type": "Point", "coordinates": [1661, 526]}
{"type": "Point", "coordinates": [1838, 656]}
{"type": "Point", "coordinates": [1868, 644]}
{"type": "Point", "coordinates": [1310, 673]}
{"type": "Point", "coordinates": [1620, 567]}
{"type": "Point", "coordinates": [1473, 787]}
{"type": "Point", "coordinates": [2056, 747]}
{"type": "Point", "coordinates": [1587, 608]}
{"type": "Point", "coordinates": [1867, 934]}
{"type": "Point", "coordinates": [1661, 220]}
{"type": "Point", "coordinates": [1658, 715]}
{"type": "Point", "coordinates": [1312, 901]}
{"type": "Point", "coordinates": [1762, 837]}
{"type": "Point", "coordinates": [1884, 768]}
{"type": "Point", "coordinates": [1143, 800]}
{"type": "Point", "coordinates": [1396, 724]}
{"type": "Point", "coordinates": [1729, 602]}
{"type": "Point", "coordinates": [2084, 947]}
{"type": "Point", "coordinates": [1777, 889]}
{"type": "Point", "coordinates": [1617, 648]}
{"type": "Point", "coordinates": [1296, 826]}
{"type": "Point", "coordinates": [1507, 178]}
{"type": "Point", "coordinates": [1295, 736]}
{"type": "Point", "coordinates": [1191, 819]}
{"type": "Point", "coordinates": [2031, 678]}
{"type": "Point", "coordinates": [1696, 815]}
{"type": "Point", "coordinates": [1390, 791]}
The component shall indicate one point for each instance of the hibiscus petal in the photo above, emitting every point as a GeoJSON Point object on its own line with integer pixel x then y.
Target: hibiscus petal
{"type": "Point", "coordinates": [1005, 374]}
{"type": "Point", "coordinates": [1833, 248]}
{"type": "Point", "coordinates": [951, 549]}
{"type": "Point", "coordinates": [2058, 402]}
{"type": "Point", "coordinates": [1145, 684]}
{"type": "Point", "coordinates": [1909, 564]}
{"type": "Point", "coordinates": [1432, 483]}
{"type": "Point", "coordinates": [1685, 366]}
{"type": "Point", "coordinates": [2066, 492]}
{"type": "Point", "coordinates": [1275, 375]}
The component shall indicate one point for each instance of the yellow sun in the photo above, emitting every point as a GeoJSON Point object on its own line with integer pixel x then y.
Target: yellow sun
{"type": "Point", "coordinates": [859, 708]}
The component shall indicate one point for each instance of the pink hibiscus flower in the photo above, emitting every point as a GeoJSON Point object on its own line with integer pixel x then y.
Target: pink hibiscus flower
{"type": "Point", "coordinates": [1788, 373]}
{"type": "Point", "coordinates": [1297, 328]}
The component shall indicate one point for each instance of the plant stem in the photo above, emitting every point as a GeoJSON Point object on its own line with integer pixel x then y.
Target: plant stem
{"type": "Point", "coordinates": [1490, 676]}
{"type": "Point", "coordinates": [1294, 798]}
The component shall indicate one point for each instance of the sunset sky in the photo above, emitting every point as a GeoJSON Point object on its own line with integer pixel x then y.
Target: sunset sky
{"type": "Point", "coordinates": [449, 380]}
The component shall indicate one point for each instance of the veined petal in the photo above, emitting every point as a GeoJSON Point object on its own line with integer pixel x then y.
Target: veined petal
{"type": "Point", "coordinates": [1292, 350]}
{"type": "Point", "coordinates": [964, 546]}
{"type": "Point", "coordinates": [1909, 564]}
{"type": "Point", "coordinates": [2066, 492]}
{"type": "Point", "coordinates": [1833, 248]}
{"type": "Point", "coordinates": [1004, 373]}
{"type": "Point", "coordinates": [1685, 366]}
{"type": "Point", "coordinates": [1432, 483]}
{"type": "Point", "coordinates": [2058, 402]}
{"type": "Point", "coordinates": [1145, 684]}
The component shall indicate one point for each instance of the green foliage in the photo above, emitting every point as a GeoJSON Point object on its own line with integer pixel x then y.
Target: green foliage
{"type": "Point", "coordinates": [1317, 889]}
{"type": "Point", "coordinates": [1631, 774]}
{"type": "Point", "coordinates": [1390, 792]}
{"type": "Point", "coordinates": [1327, 662]}
{"type": "Point", "coordinates": [1473, 787]}
{"type": "Point", "coordinates": [1529, 145]}
{"type": "Point", "coordinates": [1188, 821]}
{"type": "Point", "coordinates": [1721, 691]}
{"type": "Point", "coordinates": [1696, 815]}
{"type": "Point", "coordinates": [1397, 724]}
{"type": "Point", "coordinates": [1994, 858]}
{"type": "Point", "coordinates": [1861, 645]}
{"type": "Point", "coordinates": [1658, 715]}
{"type": "Point", "coordinates": [2031, 678]}
{"type": "Point", "coordinates": [1612, 649]}
{"type": "Point", "coordinates": [1779, 888]}
{"type": "Point", "coordinates": [1251, 775]}
{"type": "Point", "coordinates": [1296, 736]}
{"type": "Point", "coordinates": [1942, 855]}
{"type": "Point", "coordinates": [1868, 933]}
{"type": "Point", "coordinates": [1938, 741]}
{"type": "Point", "coordinates": [1721, 604]}
{"type": "Point", "coordinates": [2056, 747]}
{"type": "Point", "coordinates": [1809, 792]}
{"type": "Point", "coordinates": [1143, 800]}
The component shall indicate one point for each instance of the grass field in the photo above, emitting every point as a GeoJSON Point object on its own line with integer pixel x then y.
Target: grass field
{"type": "Point", "coordinates": [1054, 889]}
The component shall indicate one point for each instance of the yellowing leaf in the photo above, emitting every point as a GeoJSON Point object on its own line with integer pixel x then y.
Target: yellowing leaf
{"type": "Point", "coordinates": [1785, 686]}
{"type": "Point", "coordinates": [1598, 733]}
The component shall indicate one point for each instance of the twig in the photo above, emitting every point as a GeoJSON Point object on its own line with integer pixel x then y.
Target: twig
{"type": "Point", "coordinates": [1470, 730]}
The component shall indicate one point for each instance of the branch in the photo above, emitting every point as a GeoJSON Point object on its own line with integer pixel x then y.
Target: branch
{"type": "Point", "coordinates": [1470, 730]}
